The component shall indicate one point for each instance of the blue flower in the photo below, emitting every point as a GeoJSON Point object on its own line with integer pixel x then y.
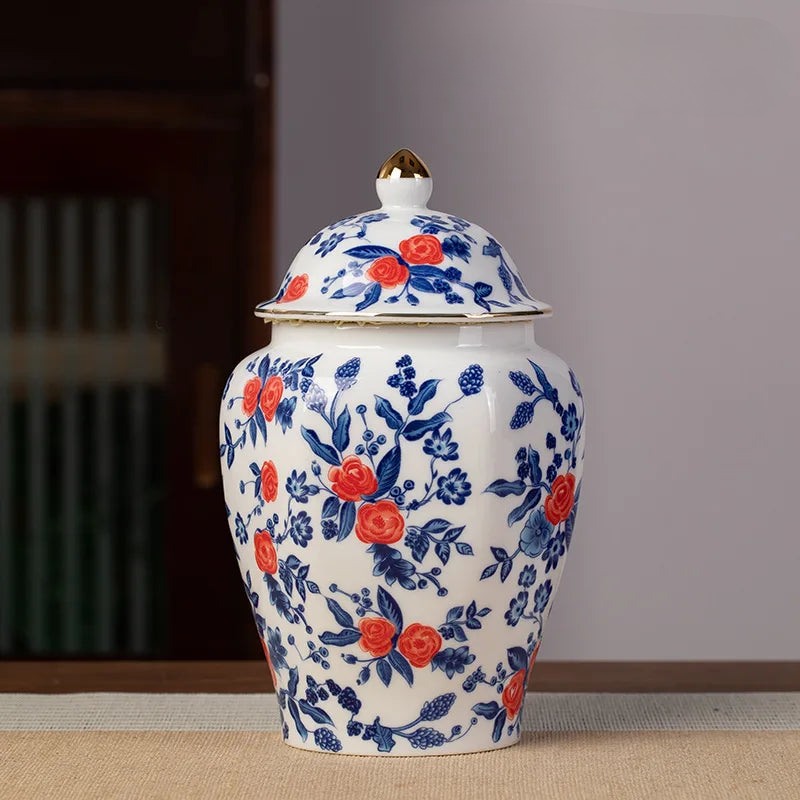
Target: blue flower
{"type": "Point", "coordinates": [409, 373]}
{"type": "Point", "coordinates": [516, 608]}
{"type": "Point", "coordinates": [554, 549]}
{"type": "Point", "coordinates": [462, 223]}
{"type": "Point", "coordinates": [528, 576]}
{"type": "Point", "coordinates": [277, 652]}
{"type": "Point", "coordinates": [569, 422]}
{"type": "Point", "coordinates": [452, 660]}
{"type": "Point", "coordinates": [441, 286]}
{"type": "Point", "coordinates": [345, 375]}
{"type": "Point", "coordinates": [315, 398]}
{"type": "Point", "coordinates": [452, 274]}
{"type": "Point", "coordinates": [456, 247]}
{"type": "Point", "coordinates": [453, 298]}
{"type": "Point", "coordinates": [551, 441]}
{"type": "Point", "coordinates": [393, 381]}
{"type": "Point", "coordinates": [403, 361]}
{"type": "Point", "coordinates": [454, 488]}
{"type": "Point", "coordinates": [330, 530]}
{"type": "Point", "coordinates": [296, 486]}
{"type": "Point", "coordinates": [541, 596]}
{"type": "Point", "coordinates": [328, 244]}
{"type": "Point", "coordinates": [471, 379]}
{"type": "Point", "coordinates": [300, 528]}
{"type": "Point", "coordinates": [521, 455]}
{"type": "Point", "coordinates": [551, 473]}
{"type": "Point", "coordinates": [535, 534]}
{"type": "Point", "coordinates": [440, 446]}
{"type": "Point", "coordinates": [366, 219]}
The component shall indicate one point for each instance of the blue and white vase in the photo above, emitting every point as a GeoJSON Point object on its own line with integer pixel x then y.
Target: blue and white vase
{"type": "Point", "coordinates": [402, 467]}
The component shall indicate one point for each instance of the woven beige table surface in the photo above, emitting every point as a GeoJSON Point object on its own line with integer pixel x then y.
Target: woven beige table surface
{"type": "Point", "coordinates": [584, 746]}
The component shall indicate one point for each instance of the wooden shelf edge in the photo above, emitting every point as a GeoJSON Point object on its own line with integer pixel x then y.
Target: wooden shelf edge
{"type": "Point", "coordinates": [236, 677]}
{"type": "Point", "coordinates": [68, 108]}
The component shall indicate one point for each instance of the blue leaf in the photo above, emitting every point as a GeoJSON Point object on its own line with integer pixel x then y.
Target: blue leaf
{"type": "Point", "coordinates": [384, 671]}
{"type": "Point", "coordinates": [426, 271]}
{"type": "Point", "coordinates": [255, 469]}
{"type": "Point", "coordinates": [531, 500]}
{"type": "Point", "coordinates": [489, 571]}
{"type": "Point", "coordinates": [422, 285]}
{"type": "Point", "coordinates": [384, 409]}
{"type": "Point", "coordinates": [575, 385]}
{"type": "Point", "coordinates": [371, 251]}
{"type": "Point", "coordinates": [298, 723]}
{"type": "Point", "coordinates": [340, 615]}
{"type": "Point", "coordinates": [426, 391]}
{"type": "Point", "coordinates": [504, 488]}
{"type": "Point", "coordinates": [499, 724]}
{"type": "Point", "coordinates": [464, 548]}
{"type": "Point", "coordinates": [419, 427]}
{"type": "Point", "coordinates": [317, 714]}
{"type": "Point", "coordinates": [351, 290]}
{"type": "Point", "coordinates": [402, 666]}
{"type": "Point", "coordinates": [499, 553]}
{"type": "Point", "coordinates": [505, 569]}
{"type": "Point", "coordinates": [370, 297]}
{"type": "Point", "coordinates": [390, 609]}
{"type": "Point", "coordinates": [382, 736]}
{"type": "Point", "coordinates": [324, 451]}
{"type": "Point", "coordinates": [546, 386]}
{"type": "Point", "coordinates": [482, 289]}
{"type": "Point", "coordinates": [412, 299]}
{"type": "Point", "coordinates": [341, 433]}
{"type": "Point", "coordinates": [453, 534]}
{"type": "Point", "coordinates": [330, 508]}
{"type": "Point", "coordinates": [533, 463]}
{"type": "Point", "coordinates": [293, 679]}
{"type": "Point", "coordinates": [263, 368]}
{"type": "Point", "coordinates": [437, 525]}
{"type": "Point", "coordinates": [443, 551]}
{"type": "Point", "coordinates": [517, 658]}
{"type": "Point", "coordinates": [347, 516]}
{"type": "Point", "coordinates": [487, 710]}
{"type": "Point", "coordinates": [388, 469]}
{"type": "Point", "coordinates": [340, 639]}
{"type": "Point", "coordinates": [454, 613]}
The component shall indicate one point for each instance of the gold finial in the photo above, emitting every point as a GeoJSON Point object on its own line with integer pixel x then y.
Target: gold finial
{"type": "Point", "coordinates": [404, 164]}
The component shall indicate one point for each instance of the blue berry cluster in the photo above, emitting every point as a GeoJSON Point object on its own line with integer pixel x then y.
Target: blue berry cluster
{"type": "Point", "coordinates": [346, 375]}
{"type": "Point", "coordinates": [403, 379]}
{"type": "Point", "coordinates": [326, 739]}
{"type": "Point", "coordinates": [471, 379]}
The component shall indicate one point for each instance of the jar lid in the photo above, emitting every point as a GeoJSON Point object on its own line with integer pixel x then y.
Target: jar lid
{"type": "Point", "coordinates": [403, 262]}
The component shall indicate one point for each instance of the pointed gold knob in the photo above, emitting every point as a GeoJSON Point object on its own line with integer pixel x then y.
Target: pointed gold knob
{"type": "Point", "coordinates": [404, 164]}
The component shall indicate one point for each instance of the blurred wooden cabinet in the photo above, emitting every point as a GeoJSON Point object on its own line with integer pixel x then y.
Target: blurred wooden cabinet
{"type": "Point", "coordinates": [135, 212]}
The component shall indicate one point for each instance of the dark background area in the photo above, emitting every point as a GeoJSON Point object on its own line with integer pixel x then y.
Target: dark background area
{"type": "Point", "coordinates": [135, 234]}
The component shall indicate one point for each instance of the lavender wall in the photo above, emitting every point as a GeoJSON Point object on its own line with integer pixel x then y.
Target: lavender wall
{"type": "Point", "coordinates": [641, 162]}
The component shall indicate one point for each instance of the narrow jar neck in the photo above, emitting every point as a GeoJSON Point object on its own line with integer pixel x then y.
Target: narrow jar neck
{"type": "Point", "coordinates": [505, 336]}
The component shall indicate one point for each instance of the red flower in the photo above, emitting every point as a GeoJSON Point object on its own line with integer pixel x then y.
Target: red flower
{"type": "Point", "coordinates": [296, 289]}
{"type": "Point", "coordinates": [376, 636]}
{"type": "Point", "coordinates": [388, 272]}
{"type": "Point", "coordinates": [422, 249]}
{"type": "Point", "coordinates": [352, 479]}
{"type": "Point", "coordinates": [271, 396]}
{"type": "Point", "coordinates": [513, 693]}
{"type": "Point", "coordinates": [379, 523]}
{"type": "Point", "coordinates": [559, 502]}
{"type": "Point", "coordinates": [269, 482]}
{"type": "Point", "coordinates": [250, 399]}
{"type": "Point", "coordinates": [419, 644]}
{"type": "Point", "coordinates": [266, 557]}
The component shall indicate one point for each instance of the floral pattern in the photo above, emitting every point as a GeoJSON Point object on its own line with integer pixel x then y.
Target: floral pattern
{"type": "Point", "coordinates": [342, 484]}
{"type": "Point", "coordinates": [442, 263]}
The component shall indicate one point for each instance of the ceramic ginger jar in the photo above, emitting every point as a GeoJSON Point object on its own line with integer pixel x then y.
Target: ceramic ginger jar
{"type": "Point", "coordinates": [402, 469]}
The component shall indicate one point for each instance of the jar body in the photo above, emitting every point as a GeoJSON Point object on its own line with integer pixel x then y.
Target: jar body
{"type": "Point", "coordinates": [402, 500]}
